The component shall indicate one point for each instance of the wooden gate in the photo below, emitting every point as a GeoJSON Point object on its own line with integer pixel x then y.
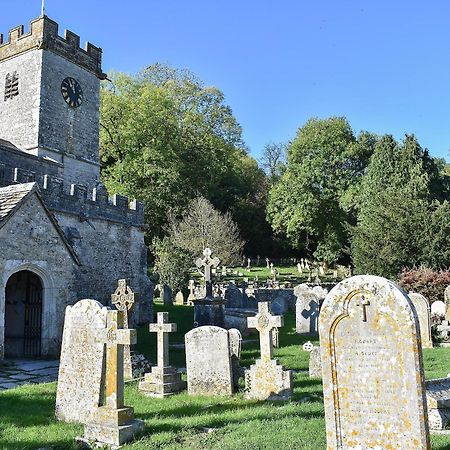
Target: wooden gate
{"type": "Point", "coordinates": [33, 317]}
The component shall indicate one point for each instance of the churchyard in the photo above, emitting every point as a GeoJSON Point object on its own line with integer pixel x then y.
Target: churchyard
{"type": "Point", "coordinates": [195, 422]}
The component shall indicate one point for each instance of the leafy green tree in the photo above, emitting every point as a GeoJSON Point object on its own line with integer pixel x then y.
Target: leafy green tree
{"type": "Point", "coordinates": [314, 198]}
{"type": "Point", "coordinates": [165, 138]}
{"type": "Point", "coordinates": [401, 221]}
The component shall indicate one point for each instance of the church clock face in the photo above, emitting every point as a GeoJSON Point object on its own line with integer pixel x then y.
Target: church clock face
{"type": "Point", "coordinates": [72, 92]}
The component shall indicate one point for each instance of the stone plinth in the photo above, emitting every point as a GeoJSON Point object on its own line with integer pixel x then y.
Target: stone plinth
{"type": "Point", "coordinates": [209, 312]}
{"type": "Point", "coordinates": [161, 382]}
{"type": "Point", "coordinates": [373, 379]}
{"type": "Point", "coordinates": [267, 380]}
{"type": "Point", "coordinates": [112, 426]}
{"type": "Point", "coordinates": [438, 403]}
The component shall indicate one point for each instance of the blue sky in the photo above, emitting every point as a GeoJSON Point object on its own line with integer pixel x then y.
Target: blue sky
{"type": "Point", "coordinates": [385, 65]}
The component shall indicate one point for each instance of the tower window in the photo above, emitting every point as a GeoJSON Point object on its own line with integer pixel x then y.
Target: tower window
{"type": "Point", "coordinates": [11, 85]}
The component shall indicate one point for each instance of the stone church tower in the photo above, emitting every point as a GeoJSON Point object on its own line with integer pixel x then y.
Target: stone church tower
{"type": "Point", "coordinates": [61, 237]}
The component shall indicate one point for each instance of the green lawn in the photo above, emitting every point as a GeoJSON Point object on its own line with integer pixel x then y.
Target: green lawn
{"type": "Point", "coordinates": [183, 422]}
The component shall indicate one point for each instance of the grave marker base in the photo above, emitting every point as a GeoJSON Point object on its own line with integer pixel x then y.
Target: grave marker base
{"type": "Point", "coordinates": [162, 382]}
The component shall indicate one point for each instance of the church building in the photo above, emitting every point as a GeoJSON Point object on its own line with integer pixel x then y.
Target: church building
{"type": "Point", "coordinates": [62, 238]}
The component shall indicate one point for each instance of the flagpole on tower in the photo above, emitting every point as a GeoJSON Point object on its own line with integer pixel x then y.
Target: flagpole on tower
{"type": "Point", "coordinates": [43, 8]}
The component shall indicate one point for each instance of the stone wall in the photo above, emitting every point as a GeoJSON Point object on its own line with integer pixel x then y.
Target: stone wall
{"type": "Point", "coordinates": [30, 234]}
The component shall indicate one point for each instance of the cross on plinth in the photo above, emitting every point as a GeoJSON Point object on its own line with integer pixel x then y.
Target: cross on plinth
{"type": "Point", "coordinates": [207, 263]}
{"type": "Point", "coordinates": [115, 337]}
{"type": "Point", "coordinates": [163, 328]}
{"type": "Point", "coordinates": [363, 303]}
{"type": "Point", "coordinates": [265, 322]}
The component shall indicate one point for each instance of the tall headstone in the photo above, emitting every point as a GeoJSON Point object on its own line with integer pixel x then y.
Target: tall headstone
{"type": "Point", "coordinates": [423, 313]}
{"type": "Point", "coordinates": [113, 423]}
{"type": "Point", "coordinates": [79, 389]}
{"type": "Point", "coordinates": [235, 337]}
{"type": "Point", "coordinates": [123, 299]}
{"type": "Point", "coordinates": [315, 362]}
{"type": "Point", "coordinates": [167, 295]}
{"type": "Point", "coordinates": [208, 361]}
{"type": "Point", "coordinates": [306, 310]}
{"type": "Point", "coordinates": [191, 296]}
{"type": "Point", "coordinates": [373, 379]}
{"type": "Point", "coordinates": [266, 379]}
{"type": "Point", "coordinates": [163, 380]}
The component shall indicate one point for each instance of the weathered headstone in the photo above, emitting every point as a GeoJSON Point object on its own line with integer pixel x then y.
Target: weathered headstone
{"type": "Point", "coordinates": [315, 362]}
{"type": "Point", "coordinates": [163, 380]}
{"type": "Point", "coordinates": [438, 308]}
{"type": "Point", "coordinates": [447, 302]}
{"type": "Point", "coordinates": [208, 361]}
{"type": "Point", "coordinates": [191, 296]}
{"type": "Point", "coordinates": [80, 371]}
{"type": "Point", "coordinates": [113, 423]}
{"type": "Point", "coordinates": [179, 298]}
{"type": "Point", "coordinates": [167, 295]}
{"type": "Point", "coordinates": [266, 379]}
{"type": "Point", "coordinates": [373, 379]}
{"type": "Point", "coordinates": [235, 338]}
{"type": "Point", "coordinates": [306, 310]}
{"type": "Point", "coordinates": [123, 299]}
{"type": "Point", "coordinates": [423, 313]}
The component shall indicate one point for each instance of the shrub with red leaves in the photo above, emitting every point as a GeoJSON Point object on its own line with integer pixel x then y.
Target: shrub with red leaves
{"type": "Point", "coordinates": [430, 283]}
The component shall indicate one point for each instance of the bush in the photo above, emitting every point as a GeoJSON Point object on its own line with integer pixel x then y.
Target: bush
{"type": "Point", "coordinates": [430, 283]}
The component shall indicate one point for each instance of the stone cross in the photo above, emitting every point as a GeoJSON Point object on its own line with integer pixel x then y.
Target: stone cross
{"type": "Point", "coordinates": [124, 298]}
{"type": "Point", "coordinates": [264, 322]}
{"type": "Point", "coordinates": [162, 328]}
{"type": "Point", "coordinates": [207, 263]}
{"type": "Point", "coordinates": [115, 337]}
{"type": "Point", "coordinates": [364, 303]}
{"type": "Point", "coordinates": [444, 330]}
{"type": "Point", "coordinates": [267, 263]}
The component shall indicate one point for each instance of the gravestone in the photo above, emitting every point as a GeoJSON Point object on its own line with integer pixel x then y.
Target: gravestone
{"type": "Point", "coordinates": [438, 308]}
{"type": "Point", "coordinates": [191, 296]}
{"type": "Point", "coordinates": [163, 380]}
{"type": "Point", "coordinates": [113, 423]}
{"type": "Point", "coordinates": [208, 361]}
{"type": "Point", "coordinates": [423, 313]}
{"type": "Point", "coordinates": [80, 371]}
{"type": "Point", "coordinates": [447, 302]}
{"type": "Point", "coordinates": [235, 338]}
{"type": "Point", "coordinates": [167, 295]}
{"type": "Point", "coordinates": [306, 310]}
{"type": "Point", "coordinates": [315, 362]}
{"type": "Point", "coordinates": [373, 379]}
{"type": "Point", "coordinates": [179, 298]}
{"type": "Point", "coordinates": [266, 379]}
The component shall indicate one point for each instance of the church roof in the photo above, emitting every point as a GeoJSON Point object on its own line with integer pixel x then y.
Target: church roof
{"type": "Point", "coordinates": [13, 196]}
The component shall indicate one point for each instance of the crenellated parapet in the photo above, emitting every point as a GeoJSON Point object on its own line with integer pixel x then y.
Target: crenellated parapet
{"type": "Point", "coordinates": [76, 199]}
{"type": "Point", "coordinates": [43, 34]}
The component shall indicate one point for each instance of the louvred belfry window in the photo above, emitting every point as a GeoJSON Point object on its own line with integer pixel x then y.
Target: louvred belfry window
{"type": "Point", "coordinates": [11, 85]}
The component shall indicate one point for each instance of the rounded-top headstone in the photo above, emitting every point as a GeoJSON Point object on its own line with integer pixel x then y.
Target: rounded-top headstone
{"type": "Point", "coordinates": [373, 379]}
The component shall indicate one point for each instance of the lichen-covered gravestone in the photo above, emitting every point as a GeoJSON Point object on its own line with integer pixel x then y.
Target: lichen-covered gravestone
{"type": "Point", "coordinates": [79, 388]}
{"type": "Point", "coordinates": [266, 379]}
{"type": "Point", "coordinates": [438, 403]}
{"type": "Point", "coordinates": [373, 380]}
{"type": "Point", "coordinates": [208, 361]}
{"type": "Point", "coordinates": [423, 313]}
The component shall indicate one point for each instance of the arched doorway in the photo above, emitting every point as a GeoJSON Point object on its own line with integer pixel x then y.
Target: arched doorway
{"type": "Point", "coordinates": [23, 315]}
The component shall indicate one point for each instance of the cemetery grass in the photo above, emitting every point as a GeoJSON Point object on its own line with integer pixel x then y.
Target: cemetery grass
{"type": "Point", "coordinates": [183, 422]}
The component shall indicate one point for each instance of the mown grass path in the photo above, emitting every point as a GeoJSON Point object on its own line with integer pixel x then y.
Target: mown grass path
{"type": "Point", "coordinates": [184, 422]}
